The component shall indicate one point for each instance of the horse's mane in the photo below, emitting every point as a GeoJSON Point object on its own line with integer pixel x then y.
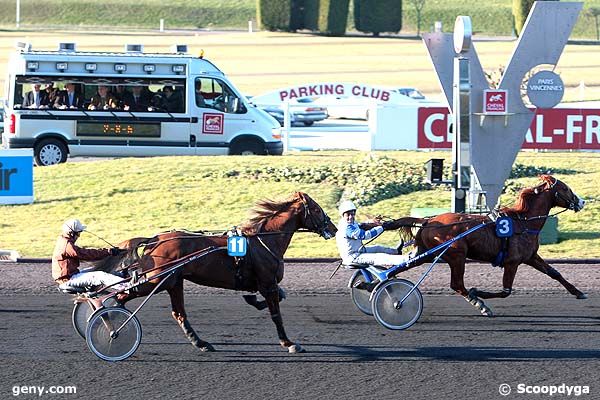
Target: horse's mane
{"type": "Point", "coordinates": [522, 203]}
{"type": "Point", "coordinates": [262, 211]}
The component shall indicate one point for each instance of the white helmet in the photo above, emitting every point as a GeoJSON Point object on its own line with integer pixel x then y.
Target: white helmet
{"type": "Point", "coordinates": [346, 206]}
{"type": "Point", "coordinates": [72, 225]}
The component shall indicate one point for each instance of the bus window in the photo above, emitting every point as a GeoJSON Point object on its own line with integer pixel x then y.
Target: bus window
{"type": "Point", "coordinates": [213, 93]}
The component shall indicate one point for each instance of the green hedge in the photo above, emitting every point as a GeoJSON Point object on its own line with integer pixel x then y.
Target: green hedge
{"type": "Point", "coordinates": [378, 16]}
{"type": "Point", "coordinates": [520, 12]}
{"type": "Point", "coordinates": [333, 16]}
{"type": "Point", "coordinates": [274, 15]}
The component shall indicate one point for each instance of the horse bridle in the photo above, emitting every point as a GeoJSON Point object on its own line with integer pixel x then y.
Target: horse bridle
{"type": "Point", "coordinates": [571, 204]}
{"type": "Point", "coordinates": [318, 227]}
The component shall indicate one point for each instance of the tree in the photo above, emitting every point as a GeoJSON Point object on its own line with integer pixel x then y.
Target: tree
{"type": "Point", "coordinates": [594, 12]}
{"type": "Point", "coordinates": [418, 4]}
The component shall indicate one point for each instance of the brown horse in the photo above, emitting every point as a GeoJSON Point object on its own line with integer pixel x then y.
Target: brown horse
{"type": "Point", "coordinates": [268, 232]}
{"type": "Point", "coordinates": [528, 214]}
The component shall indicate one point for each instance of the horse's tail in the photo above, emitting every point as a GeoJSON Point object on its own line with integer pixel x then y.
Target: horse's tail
{"type": "Point", "coordinates": [408, 227]}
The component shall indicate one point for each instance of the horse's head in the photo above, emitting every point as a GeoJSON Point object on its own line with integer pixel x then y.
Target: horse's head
{"type": "Point", "coordinates": [563, 195]}
{"type": "Point", "coordinates": [314, 218]}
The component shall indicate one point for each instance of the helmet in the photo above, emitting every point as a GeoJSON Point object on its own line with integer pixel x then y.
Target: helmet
{"type": "Point", "coordinates": [72, 225]}
{"type": "Point", "coordinates": [346, 206]}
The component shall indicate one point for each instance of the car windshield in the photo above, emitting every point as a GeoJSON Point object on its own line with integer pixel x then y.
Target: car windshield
{"type": "Point", "coordinates": [411, 92]}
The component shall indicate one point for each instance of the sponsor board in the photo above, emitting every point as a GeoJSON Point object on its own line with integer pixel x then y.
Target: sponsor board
{"type": "Point", "coordinates": [551, 129]}
{"type": "Point", "coordinates": [494, 102]}
{"type": "Point", "coordinates": [16, 176]}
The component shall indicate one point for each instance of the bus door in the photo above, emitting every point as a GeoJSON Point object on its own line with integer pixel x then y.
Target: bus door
{"type": "Point", "coordinates": [221, 116]}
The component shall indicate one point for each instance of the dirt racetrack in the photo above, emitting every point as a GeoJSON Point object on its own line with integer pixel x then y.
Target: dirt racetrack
{"type": "Point", "coordinates": [540, 338]}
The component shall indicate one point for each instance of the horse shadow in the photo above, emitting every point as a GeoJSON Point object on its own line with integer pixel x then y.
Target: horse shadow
{"type": "Point", "coordinates": [346, 354]}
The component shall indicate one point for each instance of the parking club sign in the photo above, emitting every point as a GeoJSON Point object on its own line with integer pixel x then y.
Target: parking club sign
{"type": "Point", "coordinates": [494, 102]}
{"type": "Point", "coordinates": [16, 176]}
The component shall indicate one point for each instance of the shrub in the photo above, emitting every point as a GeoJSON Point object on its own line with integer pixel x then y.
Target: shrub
{"type": "Point", "coordinates": [280, 15]}
{"type": "Point", "coordinates": [333, 16]}
{"type": "Point", "coordinates": [378, 16]}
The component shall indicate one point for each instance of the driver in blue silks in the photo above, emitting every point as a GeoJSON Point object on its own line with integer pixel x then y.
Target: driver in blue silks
{"type": "Point", "coordinates": [349, 239]}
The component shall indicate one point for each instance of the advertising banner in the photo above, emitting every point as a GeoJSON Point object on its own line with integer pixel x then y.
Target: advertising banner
{"type": "Point", "coordinates": [551, 129]}
{"type": "Point", "coordinates": [16, 176]}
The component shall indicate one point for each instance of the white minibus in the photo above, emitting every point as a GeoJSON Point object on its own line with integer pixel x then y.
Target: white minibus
{"type": "Point", "coordinates": [67, 102]}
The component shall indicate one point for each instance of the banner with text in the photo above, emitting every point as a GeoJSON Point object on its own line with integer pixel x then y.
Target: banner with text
{"type": "Point", "coordinates": [551, 129]}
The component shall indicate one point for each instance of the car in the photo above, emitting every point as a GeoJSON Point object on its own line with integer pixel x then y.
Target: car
{"type": "Point", "coordinates": [355, 107]}
{"type": "Point", "coordinates": [410, 92]}
{"type": "Point", "coordinates": [303, 110]}
{"type": "Point", "coordinates": [349, 107]}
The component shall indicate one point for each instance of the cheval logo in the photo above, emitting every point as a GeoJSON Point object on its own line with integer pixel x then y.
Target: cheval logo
{"type": "Point", "coordinates": [212, 123]}
{"type": "Point", "coordinates": [494, 101]}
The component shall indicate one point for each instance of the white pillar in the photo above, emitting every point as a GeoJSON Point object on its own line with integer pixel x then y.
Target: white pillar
{"type": "Point", "coordinates": [250, 26]}
{"type": "Point", "coordinates": [18, 16]}
{"type": "Point", "coordinates": [162, 25]}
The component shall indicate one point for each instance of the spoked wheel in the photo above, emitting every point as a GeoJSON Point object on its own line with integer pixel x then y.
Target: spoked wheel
{"type": "Point", "coordinates": [105, 342]}
{"type": "Point", "coordinates": [82, 312]}
{"type": "Point", "coordinates": [387, 308]}
{"type": "Point", "coordinates": [360, 293]}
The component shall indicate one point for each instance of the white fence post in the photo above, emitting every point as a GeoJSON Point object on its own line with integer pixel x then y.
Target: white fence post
{"type": "Point", "coordinates": [162, 25]}
{"type": "Point", "coordinates": [18, 16]}
{"type": "Point", "coordinates": [287, 123]}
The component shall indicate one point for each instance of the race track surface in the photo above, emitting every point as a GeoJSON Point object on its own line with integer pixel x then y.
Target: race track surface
{"type": "Point", "coordinates": [540, 336]}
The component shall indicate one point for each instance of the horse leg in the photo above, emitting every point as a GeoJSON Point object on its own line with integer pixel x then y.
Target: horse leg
{"type": "Point", "coordinates": [538, 263]}
{"type": "Point", "coordinates": [261, 305]}
{"type": "Point", "coordinates": [507, 282]}
{"type": "Point", "coordinates": [176, 293]}
{"type": "Point", "coordinates": [272, 298]}
{"type": "Point", "coordinates": [457, 273]}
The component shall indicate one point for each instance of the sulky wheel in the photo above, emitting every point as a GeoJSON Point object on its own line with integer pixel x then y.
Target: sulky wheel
{"type": "Point", "coordinates": [105, 342]}
{"type": "Point", "coordinates": [82, 312]}
{"type": "Point", "coordinates": [387, 309]}
{"type": "Point", "coordinates": [360, 292]}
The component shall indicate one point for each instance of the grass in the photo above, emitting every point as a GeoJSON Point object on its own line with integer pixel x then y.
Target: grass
{"type": "Point", "coordinates": [262, 62]}
{"type": "Point", "coordinates": [493, 17]}
{"type": "Point", "coordinates": [128, 197]}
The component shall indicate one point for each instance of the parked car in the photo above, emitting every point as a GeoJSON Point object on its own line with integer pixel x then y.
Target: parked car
{"type": "Point", "coordinates": [303, 110]}
{"type": "Point", "coordinates": [354, 107]}
{"type": "Point", "coordinates": [410, 92]}
{"type": "Point", "coordinates": [350, 107]}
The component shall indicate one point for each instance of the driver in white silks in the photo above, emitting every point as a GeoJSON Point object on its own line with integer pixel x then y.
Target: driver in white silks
{"type": "Point", "coordinates": [349, 239]}
{"type": "Point", "coordinates": [66, 256]}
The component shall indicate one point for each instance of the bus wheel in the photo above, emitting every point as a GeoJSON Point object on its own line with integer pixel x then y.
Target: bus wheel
{"type": "Point", "coordinates": [50, 152]}
{"type": "Point", "coordinates": [248, 148]}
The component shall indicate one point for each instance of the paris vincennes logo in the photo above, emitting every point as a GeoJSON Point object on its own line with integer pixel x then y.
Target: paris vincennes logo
{"type": "Point", "coordinates": [212, 123]}
{"type": "Point", "coordinates": [494, 102]}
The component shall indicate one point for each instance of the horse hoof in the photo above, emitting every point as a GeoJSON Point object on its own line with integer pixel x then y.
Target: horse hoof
{"type": "Point", "coordinates": [296, 348]}
{"type": "Point", "coordinates": [582, 296]}
{"type": "Point", "coordinates": [487, 313]}
{"type": "Point", "coordinates": [206, 347]}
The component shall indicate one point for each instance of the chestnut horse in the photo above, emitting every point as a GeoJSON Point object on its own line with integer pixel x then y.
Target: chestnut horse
{"type": "Point", "coordinates": [268, 233]}
{"type": "Point", "coordinates": [528, 214]}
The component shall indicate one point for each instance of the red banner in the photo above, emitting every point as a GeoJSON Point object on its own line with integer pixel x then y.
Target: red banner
{"type": "Point", "coordinates": [555, 129]}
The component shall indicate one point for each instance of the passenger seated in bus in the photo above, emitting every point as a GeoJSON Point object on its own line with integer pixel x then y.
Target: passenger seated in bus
{"type": "Point", "coordinates": [103, 100]}
{"type": "Point", "coordinates": [120, 93]}
{"type": "Point", "coordinates": [68, 98]}
{"type": "Point", "coordinates": [137, 100]}
{"type": "Point", "coordinates": [172, 101]}
{"type": "Point", "coordinates": [52, 93]}
{"type": "Point", "coordinates": [199, 95]}
{"type": "Point", "coordinates": [35, 98]}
